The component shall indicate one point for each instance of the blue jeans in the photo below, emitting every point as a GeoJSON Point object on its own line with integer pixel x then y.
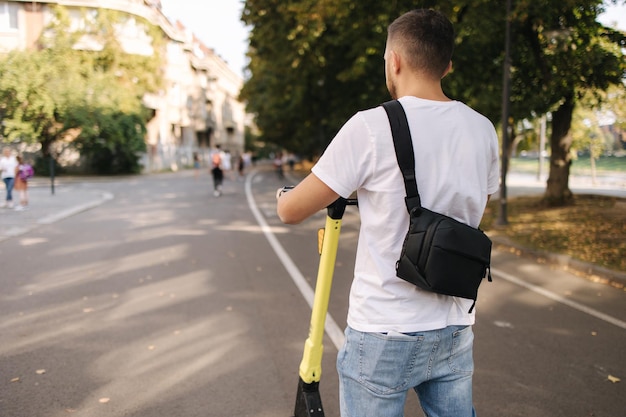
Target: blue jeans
{"type": "Point", "coordinates": [377, 370]}
{"type": "Point", "coordinates": [9, 182]}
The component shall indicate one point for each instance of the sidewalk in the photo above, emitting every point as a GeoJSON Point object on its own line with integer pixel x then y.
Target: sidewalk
{"type": "Point", "coordinates": [46, 208]}
{"type": "Point", "coordinates": [526, 183]}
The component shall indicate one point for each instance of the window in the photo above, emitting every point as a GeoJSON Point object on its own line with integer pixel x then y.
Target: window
{"type": "Point", "coordinates": [8, 16]}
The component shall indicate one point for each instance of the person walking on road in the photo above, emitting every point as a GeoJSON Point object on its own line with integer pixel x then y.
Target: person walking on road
{"type": "Point", "coordinates": [8, 164]}
{"type": "Point", "coordinates": [22, 174]}
{"type": "Point", "coordinates": [217, 172]}
{"type": "Point", "coordinates": [196, 165]}
{"type": "Point", "coordinates": [400, 337]}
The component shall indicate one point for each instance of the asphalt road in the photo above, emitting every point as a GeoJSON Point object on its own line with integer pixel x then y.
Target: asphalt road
{"type": "Point", "coordinates": [167, 301]}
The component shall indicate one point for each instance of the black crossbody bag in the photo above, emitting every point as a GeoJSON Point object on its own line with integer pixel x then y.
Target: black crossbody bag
{"type": "Point", "coordinates": [439, 253]}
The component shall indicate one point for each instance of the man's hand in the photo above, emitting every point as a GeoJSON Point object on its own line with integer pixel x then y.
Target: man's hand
{"type": "Point", "coordinates": [304, 200]}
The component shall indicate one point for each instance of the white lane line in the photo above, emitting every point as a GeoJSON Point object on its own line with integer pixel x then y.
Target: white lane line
{"type": "Point", "coordinates": [332, 329]}
{"type": "Point", "coordinates": [548, 294]}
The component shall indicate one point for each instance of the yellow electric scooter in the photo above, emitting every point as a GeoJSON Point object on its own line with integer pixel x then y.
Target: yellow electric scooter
{"type": "Point", "coordinates": [308, 401]}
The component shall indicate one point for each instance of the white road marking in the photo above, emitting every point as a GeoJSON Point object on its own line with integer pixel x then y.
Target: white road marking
{"type": "Point", "coordinates": [332, 329]}
{"type": "Point", "coordinates": [548, 294]}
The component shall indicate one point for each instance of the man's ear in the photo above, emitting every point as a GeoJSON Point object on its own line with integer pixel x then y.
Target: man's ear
{"type": "Point", "coordinates": [447, 70]}
{"type": "Point", "coordinates": [395, 61]}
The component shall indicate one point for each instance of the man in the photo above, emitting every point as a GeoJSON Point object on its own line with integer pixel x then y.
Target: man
{"type": "Point", "coordinates": [398, 336]}
{"type": "Point", "coordinates": [8, 164]}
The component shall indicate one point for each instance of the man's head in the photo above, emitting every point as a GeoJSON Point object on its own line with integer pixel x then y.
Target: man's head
{"type": "Point", "coordinates": [421, 41]}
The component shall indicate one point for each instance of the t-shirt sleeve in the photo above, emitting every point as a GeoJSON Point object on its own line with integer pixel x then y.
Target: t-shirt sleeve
{"type": "Point", "coordinates": [346, 162]}
{"type": "Point", "coordinates": [493, 183]}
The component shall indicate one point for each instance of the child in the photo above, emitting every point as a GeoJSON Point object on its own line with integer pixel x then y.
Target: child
{"type": "Point", "coordinates": [23, 172]}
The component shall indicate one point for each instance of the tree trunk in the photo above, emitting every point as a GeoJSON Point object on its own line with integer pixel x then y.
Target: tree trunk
{"type": "Point", "coordinates": [557, 190]}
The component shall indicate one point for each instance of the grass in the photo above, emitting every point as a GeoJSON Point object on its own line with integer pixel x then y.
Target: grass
{"type": "Point", "coordinates": [592, 230]}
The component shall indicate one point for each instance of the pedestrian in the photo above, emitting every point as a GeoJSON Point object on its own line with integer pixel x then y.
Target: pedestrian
{"type": "Point", "coordinates": [196, 165]}
{"type": "Point", "coordinates": [400, 337]}
{"type": "Point", "coordinates": [227, 166]}
{"type": "Point", "coordinates": [23, 173]}
{"type": "Point", "coordinates": [278, 165]}
{"type": "Point", "coordinates": [8, 164]}
{"type": "Point", "coordinates": [241, 166]}
{"type": "Point", "coordinates": [217, 172]}
{"type": "Point", "coordinates": [291, 161]}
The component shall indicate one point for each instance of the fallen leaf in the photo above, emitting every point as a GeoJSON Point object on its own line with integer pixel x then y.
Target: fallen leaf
{"type": "Point", "coordinates": [40, 371]}
{"type": "Point", "coordinates": [614, 379]}
{"type": "Point", "coordinates": [15, 380]}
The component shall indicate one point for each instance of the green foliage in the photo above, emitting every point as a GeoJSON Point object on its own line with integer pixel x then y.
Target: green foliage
{"type": "Point", "coordinates": [113, 144]}
{"type": "Point", "coordinates": [70, 94]}
{"type": "Point", "coordinates": [26, 106]}
{"type": "Point", "coordinates": [313, 63]}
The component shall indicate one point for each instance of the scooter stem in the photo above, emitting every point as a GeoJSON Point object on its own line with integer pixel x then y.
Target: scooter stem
{"type": "Point", "coordinates": [311, 365]}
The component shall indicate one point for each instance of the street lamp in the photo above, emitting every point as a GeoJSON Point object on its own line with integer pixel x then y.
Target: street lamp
{"type": "Point", "coordinates": [506, 93]}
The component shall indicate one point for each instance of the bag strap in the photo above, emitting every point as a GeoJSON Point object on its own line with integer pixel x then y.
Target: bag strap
{"type": "Point", "coordinates": [403, 146]}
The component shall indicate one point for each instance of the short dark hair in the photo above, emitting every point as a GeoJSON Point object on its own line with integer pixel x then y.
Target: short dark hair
{"type": "Point", "coordinates": [427, 39]}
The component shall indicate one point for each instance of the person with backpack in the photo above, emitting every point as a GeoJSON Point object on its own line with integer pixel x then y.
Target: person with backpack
{"type": "Point", "coordinates": [217, 172]}
{"type": "Point", "coordinates": [23, 172]}
{"type": "Point", "coordinates": [400, 337]}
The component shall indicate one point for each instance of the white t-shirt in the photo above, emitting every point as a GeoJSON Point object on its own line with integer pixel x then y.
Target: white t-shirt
{"type": "Point", "coordinates": [456, 167]}
{"type": "Point", "coordinates": [226, 161]}
{"type": "Point", "coordinates": [8, 166]}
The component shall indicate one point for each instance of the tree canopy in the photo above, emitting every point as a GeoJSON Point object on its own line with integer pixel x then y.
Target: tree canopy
{"type": "Point", "coordinates": [60, 94]}
{"type": "Point", "coordinates": [313, 63]}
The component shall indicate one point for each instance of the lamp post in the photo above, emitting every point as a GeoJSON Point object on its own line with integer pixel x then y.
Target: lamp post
{"type": "Point", "coordinates": [506, 92]}
{"type": "Point", "coordinates": [51, 172]}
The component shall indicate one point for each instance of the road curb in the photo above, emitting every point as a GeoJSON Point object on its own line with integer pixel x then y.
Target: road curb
{"type": "Point", "coordinates": [106, 196]}
{"type": "Point", "coordinates": [55, 217]}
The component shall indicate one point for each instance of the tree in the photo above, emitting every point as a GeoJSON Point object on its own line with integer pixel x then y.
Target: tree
{"type": "Point", "coordinates": [564, 35]}
{"type": "Point", "coordinates": [26, 107]}
{"type": "Point", "coordinates": [559, 51]}
{"type": "Point", "coordinates": [114, 143]}
{"type": "Point", "coordinates": [315, 62]}
{"type": "Point", "coordinates": [61, 95]}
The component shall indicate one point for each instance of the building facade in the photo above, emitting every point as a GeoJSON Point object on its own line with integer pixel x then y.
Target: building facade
{"type": "Point", "coordinates": [197, 108]}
